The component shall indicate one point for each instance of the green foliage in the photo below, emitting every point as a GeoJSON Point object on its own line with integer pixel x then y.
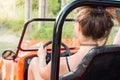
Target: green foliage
{"type": "Point", "coordinates": [44, 32]}
{"type": "Point", "coordinates": [14, 25]}
{"type": "Point", "coordinates": [35, 4]}
{"type": "Point", "coordinates": [67, 31]}
{"type": "Point", "coordinates": [21, 3]}
{"type": "Point", "coordinates": [54, 6]}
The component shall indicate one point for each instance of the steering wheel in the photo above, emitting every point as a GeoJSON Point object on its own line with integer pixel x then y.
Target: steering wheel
{"type": "Point", "coordinates": [63, 54]}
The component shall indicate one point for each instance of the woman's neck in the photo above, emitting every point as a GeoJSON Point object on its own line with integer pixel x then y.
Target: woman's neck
{"type": "Point", "coordinates": [88, 43]}
{"type": "Point", "coordinates": [87, 40]}
{"type": "Point", "coordinates": [85, 46]}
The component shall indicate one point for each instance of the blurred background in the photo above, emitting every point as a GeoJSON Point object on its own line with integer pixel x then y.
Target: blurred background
{"type": "Point", "coordinates": [14, 13]}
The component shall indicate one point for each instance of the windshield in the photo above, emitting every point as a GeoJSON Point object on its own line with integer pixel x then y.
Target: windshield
{"type": "Point", "coordinates": [43, 32]}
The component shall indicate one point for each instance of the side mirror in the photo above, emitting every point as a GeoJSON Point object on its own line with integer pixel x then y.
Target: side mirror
{"type": "Point", "coordinates": [8, 55]}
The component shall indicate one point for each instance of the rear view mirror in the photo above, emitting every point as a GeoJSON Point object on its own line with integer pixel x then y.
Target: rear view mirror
{"type": "Point", "coordinates": [8, 55]}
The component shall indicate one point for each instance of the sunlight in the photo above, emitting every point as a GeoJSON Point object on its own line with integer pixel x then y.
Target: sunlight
{"type": "Point", "coordinates": [7, 8]}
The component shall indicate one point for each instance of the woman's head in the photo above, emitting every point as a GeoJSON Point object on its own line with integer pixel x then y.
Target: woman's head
{"type": "Point", "coordinates": [95, 22]}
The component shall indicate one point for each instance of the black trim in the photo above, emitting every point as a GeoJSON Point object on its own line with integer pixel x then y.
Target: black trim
{"type": "Point", "coordinates": [25, 28]}
{"type": "Point", "coordinates": [68, 64]}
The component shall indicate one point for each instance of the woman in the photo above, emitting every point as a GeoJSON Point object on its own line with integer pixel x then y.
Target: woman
{"type": "Point", "coordinates": [91, 25]}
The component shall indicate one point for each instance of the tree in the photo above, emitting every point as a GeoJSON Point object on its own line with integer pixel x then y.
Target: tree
{"type": "Point", "coordinates": [28, 10]}
{"type": "Point", "coordinates": [54, 6]}
{"type": "Point", "coordinates": [43, 6]}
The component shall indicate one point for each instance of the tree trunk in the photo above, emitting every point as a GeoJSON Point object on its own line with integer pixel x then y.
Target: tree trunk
{"type": "Point", "coordinates": [28, 10]}
{"type": "Point", "coordinates": [43, 6]}
{"type": "Point", "coordinates": [43, 10]}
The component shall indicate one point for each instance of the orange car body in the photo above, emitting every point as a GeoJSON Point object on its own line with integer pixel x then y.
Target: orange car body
{"type": "Point", "coordinates": [14, 70]}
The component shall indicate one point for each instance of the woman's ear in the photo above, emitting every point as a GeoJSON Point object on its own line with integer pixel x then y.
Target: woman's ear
{"type": "Point", "coordinates": [78, 26]}
{"type": "Point", "coordinates": [77, 29]}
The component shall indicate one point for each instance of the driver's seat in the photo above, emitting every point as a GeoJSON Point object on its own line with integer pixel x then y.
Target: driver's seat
{"type": "Point", "coordinates": [101, 63]}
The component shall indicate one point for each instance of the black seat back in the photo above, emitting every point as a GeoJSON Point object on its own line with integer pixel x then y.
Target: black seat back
{"type": "Point", "coordinates": [101, 63]}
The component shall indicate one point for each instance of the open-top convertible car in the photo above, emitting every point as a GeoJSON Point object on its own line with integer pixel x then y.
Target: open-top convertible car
{"type": "Point", "coordinates": [100, 63]}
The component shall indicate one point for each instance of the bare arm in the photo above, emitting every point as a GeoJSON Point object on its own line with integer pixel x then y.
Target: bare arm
{"type": "Point", "coordinates": [41, 57]}
{"type": "Point", "coordinates": [44, 69]}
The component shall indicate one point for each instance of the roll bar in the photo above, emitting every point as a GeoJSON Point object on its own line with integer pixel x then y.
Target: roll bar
{"type": "Point", "coordinates": [26, 25]}
{"type": "Point", "coordinates": [59, 24]}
